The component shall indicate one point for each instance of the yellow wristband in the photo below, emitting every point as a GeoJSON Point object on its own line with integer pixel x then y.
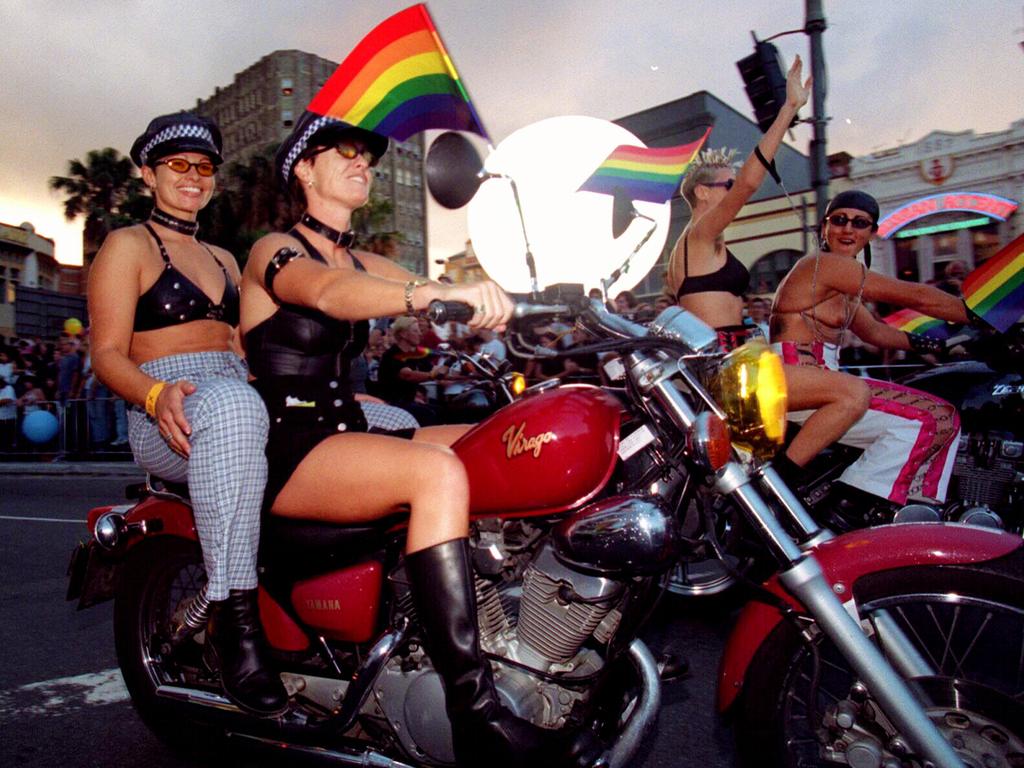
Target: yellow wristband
{"type": "Point", "coordinates": [152, 395]}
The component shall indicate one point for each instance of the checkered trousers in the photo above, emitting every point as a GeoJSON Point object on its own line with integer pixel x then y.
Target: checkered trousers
{"type": "Point", "coordinates": [227, 469]}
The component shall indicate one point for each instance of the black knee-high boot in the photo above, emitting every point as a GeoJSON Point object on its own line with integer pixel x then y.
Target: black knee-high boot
{"type": "Point", "coordinates": [235, 639]}
{"type": "Point", "coordinates": [483, 731]}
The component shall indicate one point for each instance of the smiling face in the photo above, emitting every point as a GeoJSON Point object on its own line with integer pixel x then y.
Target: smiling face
{"type": "Point", "coordinates": [846, 240]}
{"type": "Point", "coordinates": [180, 194]}
{"type": "Point", "coordinates": [335, 178]}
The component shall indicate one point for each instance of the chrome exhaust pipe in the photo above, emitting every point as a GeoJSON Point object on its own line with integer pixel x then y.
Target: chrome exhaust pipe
{"type": "Point", "coordinates": [642, 718]}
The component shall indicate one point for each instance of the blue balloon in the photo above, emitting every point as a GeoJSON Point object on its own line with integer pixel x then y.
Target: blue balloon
{"type": "Point", "coordinates": [39, 426]}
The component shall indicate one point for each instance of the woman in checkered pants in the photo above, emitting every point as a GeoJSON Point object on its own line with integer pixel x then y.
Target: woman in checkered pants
{"type": "Point", "coordinates": [164, 308]}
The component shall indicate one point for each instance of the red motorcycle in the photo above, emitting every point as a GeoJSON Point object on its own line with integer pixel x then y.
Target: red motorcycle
{"type": "Point", "coordinates": [897, 646]}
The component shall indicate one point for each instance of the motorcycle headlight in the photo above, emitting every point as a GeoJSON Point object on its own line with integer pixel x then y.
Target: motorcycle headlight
{"type": "Point", "coordinates": [517, 384]}
{"type": "Point", "coordinates": [751, 388]}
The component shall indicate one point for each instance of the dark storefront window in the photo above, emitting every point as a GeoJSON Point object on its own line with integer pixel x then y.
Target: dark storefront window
{"type": "Point", "coordinates": [985, 241]}
{"type": "Point", "coordinates": [906, 259]}
{"type": "Point", "coordinates": [768, 271]}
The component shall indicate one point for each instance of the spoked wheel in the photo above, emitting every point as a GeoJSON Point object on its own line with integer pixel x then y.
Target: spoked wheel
{"type": "Point", "coordinates": [159, 580]}
{"type": "Point", "coordinates": [803, 705]}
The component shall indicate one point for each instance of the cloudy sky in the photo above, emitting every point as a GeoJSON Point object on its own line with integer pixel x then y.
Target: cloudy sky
{"type": "Point", "coordinates": [84, 74]}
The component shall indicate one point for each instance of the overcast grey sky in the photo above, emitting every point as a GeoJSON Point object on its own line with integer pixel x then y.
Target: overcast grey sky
{"type": "Point", "coordinates": [77, 75]}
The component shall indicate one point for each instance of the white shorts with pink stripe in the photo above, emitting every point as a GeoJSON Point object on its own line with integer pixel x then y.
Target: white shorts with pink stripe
{"type": "Point", "coordinates": [909, 437]}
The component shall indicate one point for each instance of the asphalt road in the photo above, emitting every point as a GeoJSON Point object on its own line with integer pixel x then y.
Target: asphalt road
{"type": "Point", "coordinates": [62, 702]}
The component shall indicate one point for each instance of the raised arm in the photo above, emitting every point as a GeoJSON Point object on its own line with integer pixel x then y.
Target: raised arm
{"type": "Point", "coordinates": [752, 173]}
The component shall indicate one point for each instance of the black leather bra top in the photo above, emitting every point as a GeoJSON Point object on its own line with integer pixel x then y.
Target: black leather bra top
{"type": "Point", "coordinates": [299, 341]}
{"type": "Point", "coordinates": [174, 299]}
{"type": "Point", "coordinates": [733, 277]}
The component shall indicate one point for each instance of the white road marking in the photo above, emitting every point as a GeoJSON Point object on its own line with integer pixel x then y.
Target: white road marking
{"type": "Point", "coordinates": [64, 694]}
{"type": "Point", "coordinates": [44, 519]}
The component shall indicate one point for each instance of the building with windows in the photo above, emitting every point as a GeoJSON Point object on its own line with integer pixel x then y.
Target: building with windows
{"type": "Point", "coordinates": [26, 260]}
{"type": "Point", "coordinates": [258, 109]}
{"type": "Point", "coordinates": [947, 197]}
{"type": "Point", "coordinates": [768, 236]}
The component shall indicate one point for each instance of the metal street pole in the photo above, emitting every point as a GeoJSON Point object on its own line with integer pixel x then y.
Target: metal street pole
{"type": "Point", "coordinates": [815, 27]}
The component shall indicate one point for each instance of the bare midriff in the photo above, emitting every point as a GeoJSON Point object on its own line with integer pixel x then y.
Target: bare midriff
{"type": "Point", "coordinates": [197, 336]}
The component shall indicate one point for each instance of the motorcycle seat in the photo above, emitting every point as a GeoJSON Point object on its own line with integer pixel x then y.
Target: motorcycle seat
{"type": "Point", "coordinates": [312, 546]}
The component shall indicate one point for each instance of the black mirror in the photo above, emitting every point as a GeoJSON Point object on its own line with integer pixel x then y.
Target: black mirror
{"type": "Point", "coordinates": [453, 170]}
{"type": "Point", "coordinates": [623, 212]}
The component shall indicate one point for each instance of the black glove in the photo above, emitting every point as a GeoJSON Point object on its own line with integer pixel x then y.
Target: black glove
{"type": "Point", "coordinates": [925, 345]}
{"type": "Point", "coordinates": [974, 320]}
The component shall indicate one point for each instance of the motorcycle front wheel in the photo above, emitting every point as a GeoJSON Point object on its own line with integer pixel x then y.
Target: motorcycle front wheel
{"type": "Point", "coordinates": [803, 705]}
{"type": "Point", "coordinates": [160, 577]}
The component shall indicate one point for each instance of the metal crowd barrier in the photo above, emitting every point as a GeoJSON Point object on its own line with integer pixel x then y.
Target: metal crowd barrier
{"type": "Point", "coordinates": [86, 429]}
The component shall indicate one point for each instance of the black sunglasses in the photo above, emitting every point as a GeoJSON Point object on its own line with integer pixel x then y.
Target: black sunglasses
{"type": "Point", "coordinates": [728, 183]}
{"type": "Point", "coordinates": [350, 150]}
{"type": "Point", "coordinates": [857, 222]}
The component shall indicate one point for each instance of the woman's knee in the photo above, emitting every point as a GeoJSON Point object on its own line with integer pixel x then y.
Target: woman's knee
{"type": "Point", "coordinates": [441, 471]}
{"type": "Point", "coordinates": [227, 401]}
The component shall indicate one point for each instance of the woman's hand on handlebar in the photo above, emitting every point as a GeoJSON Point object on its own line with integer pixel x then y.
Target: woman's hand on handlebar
{"type": "Point", "coordinates": [170, 416]}
{"type": "Point", "coordinates": [492, 307]}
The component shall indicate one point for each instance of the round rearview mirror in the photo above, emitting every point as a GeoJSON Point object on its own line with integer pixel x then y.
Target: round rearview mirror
{"type": "Point", "coordinates": [453, 170]}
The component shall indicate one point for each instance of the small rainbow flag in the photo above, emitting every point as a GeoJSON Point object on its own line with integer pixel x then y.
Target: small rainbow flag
{"type": "Point", "coordinates": [995, 290]}
{"type": "Point", "coordinates": [644, 173]}
{"type": "Point", "coordinates": [912, 321]}
{"type": "Point", "coordinates": [399, 81]}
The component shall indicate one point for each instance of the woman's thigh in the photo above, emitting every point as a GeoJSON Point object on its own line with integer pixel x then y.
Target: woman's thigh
{"type": "Point", "coordinates": [809, 387]}
{"type": "Point", "coordinates": [361, 477]}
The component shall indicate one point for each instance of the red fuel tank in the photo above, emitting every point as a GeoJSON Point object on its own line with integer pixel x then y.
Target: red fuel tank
{"type": "Point", "coordinates": [543, 454]}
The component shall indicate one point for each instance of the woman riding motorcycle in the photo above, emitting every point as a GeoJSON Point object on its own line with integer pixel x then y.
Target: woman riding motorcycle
{"type": "Point", "coordinates": [306, 301]}
{"type": "Point", "coordinates": [909, 437]}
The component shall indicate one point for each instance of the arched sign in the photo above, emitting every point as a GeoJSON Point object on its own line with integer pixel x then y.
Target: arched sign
{"type": "Point", "coordinates": [976, 202]}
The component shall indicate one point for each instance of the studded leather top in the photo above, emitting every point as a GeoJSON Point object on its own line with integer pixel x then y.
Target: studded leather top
{"type": "Point", "coordinates": [174, 299]}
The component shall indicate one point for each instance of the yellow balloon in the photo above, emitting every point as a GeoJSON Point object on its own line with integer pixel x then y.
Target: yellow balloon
{"type": "Point", "coordinates": [72, 326]}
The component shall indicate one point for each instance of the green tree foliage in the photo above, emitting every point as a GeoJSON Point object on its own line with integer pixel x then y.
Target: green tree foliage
{"type": "Point", "coordinates": [105, 189]}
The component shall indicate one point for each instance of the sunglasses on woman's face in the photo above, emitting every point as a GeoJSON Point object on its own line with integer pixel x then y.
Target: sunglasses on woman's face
{"type": "Point", "coordinates": [351, 149]}
{"type": "Point", "coordinates": [727, 184]}
{"type": "Point", "coordinates": [857, 222]}
{"type": "Point", "coordinates": [181, 165]}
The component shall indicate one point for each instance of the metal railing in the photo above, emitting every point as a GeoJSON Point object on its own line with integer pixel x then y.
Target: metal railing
{"type": "Point", "coordinates": [84, 429]}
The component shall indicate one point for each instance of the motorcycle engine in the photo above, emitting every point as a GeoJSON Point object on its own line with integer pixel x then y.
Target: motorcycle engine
{"type": "Point", "coordinates": [539, 622]}
{"type": "Point", "coordinates": [988, 471]}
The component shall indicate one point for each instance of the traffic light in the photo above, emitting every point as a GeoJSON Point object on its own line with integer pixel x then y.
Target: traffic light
{"type": "Point", "coordinates": [764, 82]}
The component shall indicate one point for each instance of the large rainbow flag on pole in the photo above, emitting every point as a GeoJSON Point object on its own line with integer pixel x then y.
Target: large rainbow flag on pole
{"type": "Point", "coordinates": [995, 290]}
{"type": "Point", "coordinates": [912, 321]}
{"type": "Point", "coordinates": [399, 81]}
{"type": "Point", "coordinates": [644, 173]}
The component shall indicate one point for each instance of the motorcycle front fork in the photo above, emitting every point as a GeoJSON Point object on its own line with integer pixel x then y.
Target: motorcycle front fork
{"type": "Point", "coordinates": [803, 577]}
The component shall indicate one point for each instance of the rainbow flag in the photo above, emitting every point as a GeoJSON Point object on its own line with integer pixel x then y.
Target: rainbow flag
{"type": "Point", "coordinates": [644, 173]}
{"type": "Point", "coordinates": [911, 321]}
{"type": "Point", "coordinates": [399, 81]}
{"type": "Point", "coordinates": [995, 290]}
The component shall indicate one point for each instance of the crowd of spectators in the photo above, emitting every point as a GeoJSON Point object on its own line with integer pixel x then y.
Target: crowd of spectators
{"type": "Point", "coordinates": [56, 376]}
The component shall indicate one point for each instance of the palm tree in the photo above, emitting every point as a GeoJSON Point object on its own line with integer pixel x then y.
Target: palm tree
{"type": "Point", "coordinates": [106, 191]}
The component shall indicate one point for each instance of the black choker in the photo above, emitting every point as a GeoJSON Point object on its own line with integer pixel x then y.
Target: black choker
{"type": "Point", "coordinates": [344, 239]}
{"type": "Point", "coordinates": [184, 226]}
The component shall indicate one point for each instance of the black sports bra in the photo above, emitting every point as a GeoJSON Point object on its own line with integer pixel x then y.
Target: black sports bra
{"type": "Point", "coordinates": [732, 278]}
{"type": "Point", "coordinates": [300, 341]}
{"type": "Point", "coordinates": [174, 299]}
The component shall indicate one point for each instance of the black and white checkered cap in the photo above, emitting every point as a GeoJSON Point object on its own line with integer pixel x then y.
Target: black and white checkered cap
{"type": "Point", "coordinates": [311, 125]}
{"type": "Point", "coordinates": [180, 132]}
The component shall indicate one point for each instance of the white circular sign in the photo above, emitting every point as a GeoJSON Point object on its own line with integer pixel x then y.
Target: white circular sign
{"type": "Point", "coordinates": [569, 232]}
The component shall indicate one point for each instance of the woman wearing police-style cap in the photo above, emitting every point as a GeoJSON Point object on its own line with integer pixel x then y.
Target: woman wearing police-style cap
{"type": "Point", "coordinates": [909, 437]}
{"type": "Point", "coordinates": [164, 307]}
{"type": "Point", "coordinates": [306, 299]}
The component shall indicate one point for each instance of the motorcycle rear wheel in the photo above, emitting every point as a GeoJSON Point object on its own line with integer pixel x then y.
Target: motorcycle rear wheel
{"type": "Point", "coordinates": [158, 578]}
{"type": "Point", "coordinates": [969, 628]}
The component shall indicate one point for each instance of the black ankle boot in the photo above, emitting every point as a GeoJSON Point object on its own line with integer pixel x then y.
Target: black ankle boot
{"type": "Point", "coordinates": [483, 731]}
{"type": "Point", "coordinates": [792, 474]}
{"type": "Point", "coordinates": [234, 638]}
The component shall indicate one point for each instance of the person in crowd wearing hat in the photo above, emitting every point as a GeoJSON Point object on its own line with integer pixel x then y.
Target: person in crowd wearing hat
{"type": "Point", "coordinates": [164, 308]}
{"type": "Point", "coordinates": [306, 299]}
{"type": "Point", "coordinates": [909, 437]}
